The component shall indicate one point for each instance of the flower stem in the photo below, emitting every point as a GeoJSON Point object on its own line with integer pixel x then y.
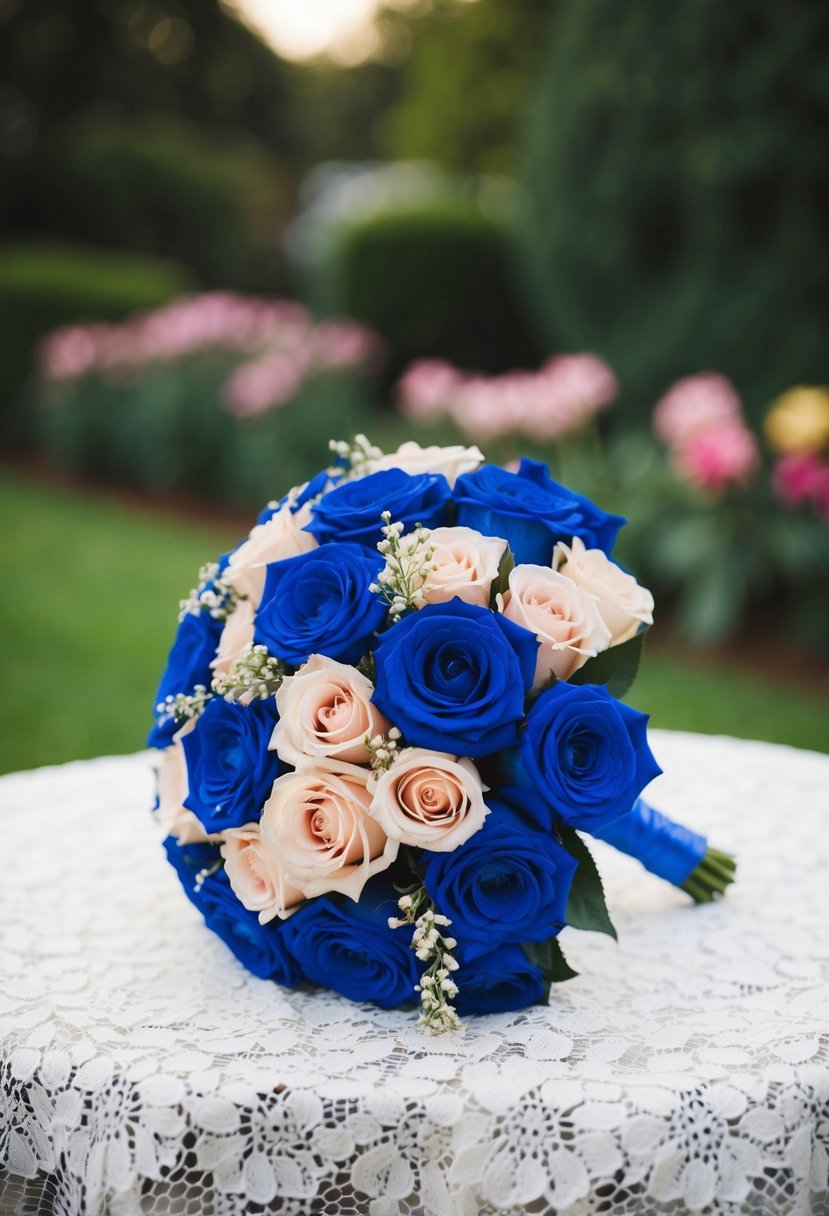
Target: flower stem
{"type": "Point", "coordinates": [712, 876]}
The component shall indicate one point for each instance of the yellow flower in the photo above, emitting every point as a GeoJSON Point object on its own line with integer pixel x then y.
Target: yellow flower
{"type": "Point", "coordinates": [799, 420]}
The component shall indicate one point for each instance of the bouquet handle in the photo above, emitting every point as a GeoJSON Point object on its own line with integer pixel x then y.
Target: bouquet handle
{"type": "Point", "coordinates": [671, 851]}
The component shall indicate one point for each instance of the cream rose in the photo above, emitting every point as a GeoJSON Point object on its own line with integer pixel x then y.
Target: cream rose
{"type": "Point", "coordinates": [256, 876]}
{"type": "Point", "coordinates": [282, 536]}
{"type": "Point", "coordinates": [623, 605]}
{"type": "Point", "coordinates": [465, 564]}
{"type": "Point", "coordinates": [412, 458]}
{"type": "Point", "coordinates": [171, 776]}
{"type": "Point", "coordinates": [317, 823]}
{"type": "Point", "coordinates": [563, 617]}
{"type": "Point", "coordinates": [235, 638]}
{"type": "Point", "coordinates": [429, 799]}
{"type": "Point", "coordinates": [325, 712]}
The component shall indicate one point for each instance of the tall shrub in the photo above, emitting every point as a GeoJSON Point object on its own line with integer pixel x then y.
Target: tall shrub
{"type": "Point", "coordinates": [676, 183]}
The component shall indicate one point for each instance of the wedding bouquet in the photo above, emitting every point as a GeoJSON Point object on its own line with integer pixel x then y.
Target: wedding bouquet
{"type": "Point", "coordinates": [386, 718]}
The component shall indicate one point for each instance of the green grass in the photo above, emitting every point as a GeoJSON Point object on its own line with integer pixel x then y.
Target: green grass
{"type": "Point", "coordinates": [88, 610]}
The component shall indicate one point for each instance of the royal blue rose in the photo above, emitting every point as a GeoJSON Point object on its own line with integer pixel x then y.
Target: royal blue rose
{"type": "Point", "coordinates": [188, 664]}
{"type": "Point", "coordinates": [531, 511]}
{"type": "Point", "coordinates": [260, 948]}
{"type": "Point", "coordinates": [507, 883]}
{"type": "Point", "coordinates": [189, 861]}
{"type": "Point", "coordinates": [351, 948]}
{"type": "Point", "coordinates": [310, 490]}
{"type": "Point", "coordinates": [230, 770]}
{"type": "Point", "coordinates": [499, 982]}
{"type": "Point", "coordinates": [352, 511]}
{"type": "Point", "coordinates": [585, 755]}
{"type": "Point", "coordinates": [320, 603]}
{"type": "Point", "coordinates": [453, 677]}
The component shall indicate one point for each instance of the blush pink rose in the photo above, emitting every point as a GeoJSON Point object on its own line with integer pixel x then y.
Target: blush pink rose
{"type": "Point", "coordinates": [623, 605]}
{"type": "Point", "coordinates": [235, 639]}
{"type": "Point", "coordinates": [564, 618]}
{"type": "Point", "coordinates": [281, 536]}
{"type": "Point", "coordinates": [429, 799]}
{"type": "Point", "coordinates": [451, 461]}
{"type": "Point", "coordinates": [465, 564]}
{"type": "Point", "coordinates": [318, 824]}
{"type": "Point", "coordinates": [256, 876]}
{"type": "Point", "coordinates": [325, 712]}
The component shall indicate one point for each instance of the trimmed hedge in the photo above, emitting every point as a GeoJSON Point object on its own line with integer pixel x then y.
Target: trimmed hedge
{"type": "Point", "coordinates": [166, 187]}
{"type": "Point", "coordinates": [436, 281]}
{"type": "Point", "coordinates": [44, 285]}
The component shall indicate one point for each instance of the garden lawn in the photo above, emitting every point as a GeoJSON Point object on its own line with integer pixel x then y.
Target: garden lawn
{"type": "Point", "coordinates": [90, 590]}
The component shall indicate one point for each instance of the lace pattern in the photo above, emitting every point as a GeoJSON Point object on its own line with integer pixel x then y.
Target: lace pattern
{"type": "Point", "coordinates": [142, 1070]}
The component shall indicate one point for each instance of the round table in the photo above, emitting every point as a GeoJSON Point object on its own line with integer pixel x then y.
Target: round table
{"type": "Point", "coordinates": [685, 1069]}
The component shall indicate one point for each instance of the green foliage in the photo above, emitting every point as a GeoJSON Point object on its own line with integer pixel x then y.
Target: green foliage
{"type": "Point", "coordinates": [167, 430]}
{"type": "Point", "coordinates": [465, 82]}
{"type": "Point", "coordinates": [586, 907]}
{"type": "Point", "coordinates": [93, 594]}
{"type": "Point", "coordinates": [676, 179]}
{"type": "Point", "coordinates": [217, 202]}
{"type": "Point", "coordinates": [615, 667]}
{"type": "Point", "coordinates": [549, 956]}
{"type": "Point", "coordinates": [43, 285]}
{"type": "Point", "coordinates": [435, 281]}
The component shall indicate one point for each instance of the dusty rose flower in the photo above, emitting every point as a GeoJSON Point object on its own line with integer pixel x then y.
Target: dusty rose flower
{"type": "Point", "coordinates": [236, 636]}
{"type": "Point", "coordinates": [256, 876]}
{"type": "Point", "coordinates": [325, 712]}
{"type": "Point", "coordinates": [427, 387]}
{"type": "Point", "coordinates": [317, 823]}
{"type": "Point", "coordinates": [623, 605]}
{"type": "Point", "coordinates": [281, 536]}
{"type": "Point", "coordinates": [692, 404]}
{"type": "Point", "coordinates": [564, 618]}
{"type": "Point", "coordinates": [429, 799]}
{"type": "Point", "coordinates": [722, 454]}
{"type": "Point", "coordinates": [465, 564]}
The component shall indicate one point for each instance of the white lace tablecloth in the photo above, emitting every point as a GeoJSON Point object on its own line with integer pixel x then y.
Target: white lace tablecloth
{"type": "Point", "coordinates": [686, 1069]}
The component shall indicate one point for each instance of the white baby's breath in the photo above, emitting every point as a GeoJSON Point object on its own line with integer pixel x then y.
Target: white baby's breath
{"type": "Point", "coordinates": [409, 560]}
{"type": "Point", "coordinates": [437, 988]}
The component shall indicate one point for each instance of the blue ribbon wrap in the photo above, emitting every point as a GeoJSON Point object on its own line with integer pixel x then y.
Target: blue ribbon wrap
{"type": "Point", "coordinates": [667, 849]}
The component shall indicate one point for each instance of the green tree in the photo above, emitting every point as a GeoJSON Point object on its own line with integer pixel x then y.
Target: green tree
{"type": "Point", "coordinates": [465, 81]}
{"type": "Point", "coordinates": [676, 183]}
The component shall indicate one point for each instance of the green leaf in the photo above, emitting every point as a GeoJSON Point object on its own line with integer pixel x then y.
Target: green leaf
{"type": "Point", "coordinates": [549, 957]}
{"type": "Point", "coordinates": [500, 585]}
{"type": "Point", "coordinates": [586, 907]}
{"type": "Point", "coordinates": [616, 667]}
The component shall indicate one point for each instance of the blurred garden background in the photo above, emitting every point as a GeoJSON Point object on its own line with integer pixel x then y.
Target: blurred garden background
{"type": "Point", "coordinates": [231, 229]}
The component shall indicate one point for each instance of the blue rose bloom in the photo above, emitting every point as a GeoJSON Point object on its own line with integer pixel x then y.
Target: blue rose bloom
{"type": "Point", "coordinates": [259, 947]}
{"type": "Point", "coordinates": [230, 770]}
{"type": "Point", "coordinates": [310, 490]}
{"type": "Point", "coordinates": [188, 664]}
{"type": "Point", "coordinates": [352, 510]}
{"type": "Point", "coordinates": [319, 603]}
{"type": "Point", "coordinates": [531, 511]}
{"type": "Point", "coordinates": [499, 982]}
{"type": "Point", "coordinates": [585, 754]}
{"type": "Point", "coordinates": [453, 677]}
{"type": "Point", "coordinates": [507, 883]}
{"type": "Point", "coordinates": [188, 861]}
{"type": "Point", "coordinates": [351, 948]}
